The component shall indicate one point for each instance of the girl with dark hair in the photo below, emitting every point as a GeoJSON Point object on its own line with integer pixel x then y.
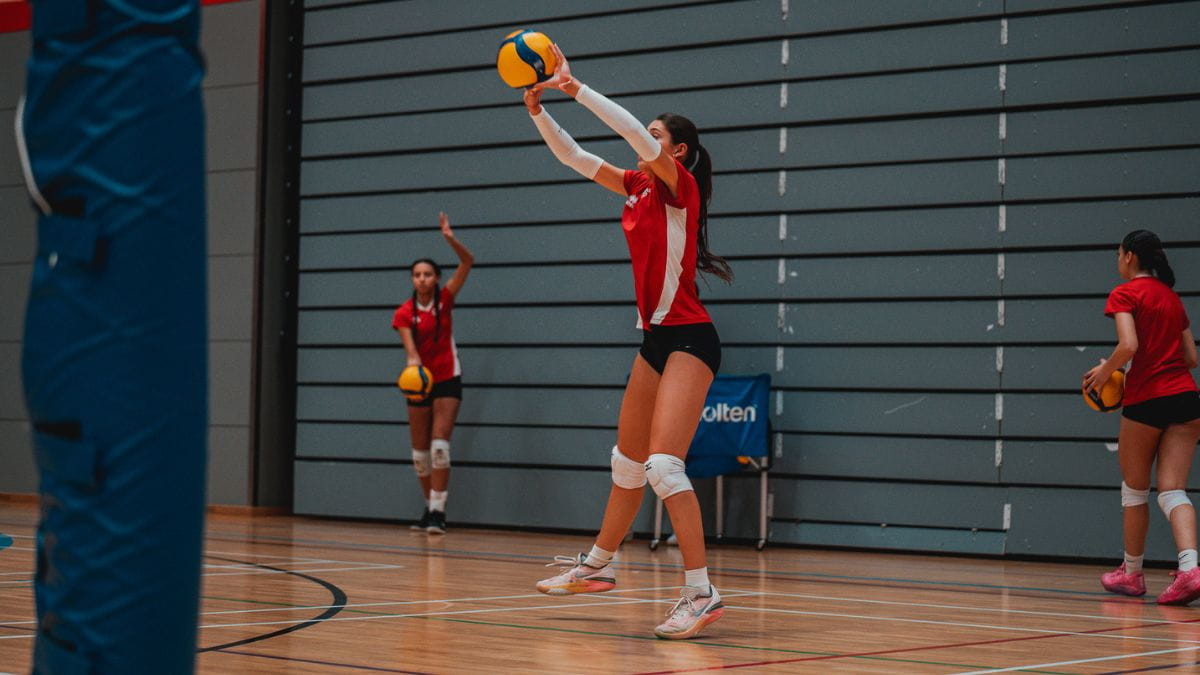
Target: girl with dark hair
{"type": "Point", "coordinates": [1161, 417]}
{"type": "Point", "coordinates": [425, 325]}
{"type": "Point", "coordinates": [665, 219]}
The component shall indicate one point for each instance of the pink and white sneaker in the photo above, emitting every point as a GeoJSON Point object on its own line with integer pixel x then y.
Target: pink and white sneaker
{"type": "Point", "coordinates": [1118, 581]}
{"type": "Point", "coordinates": [1183, 590]}
{"type": "Point", "coordinates": [691, 614]}
{"type": "Point", "coordinates": [579, 578]}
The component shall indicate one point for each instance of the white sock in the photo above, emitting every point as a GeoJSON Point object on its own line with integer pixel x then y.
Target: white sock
{"type": "Point", "coordinates": [1187, 559]}
{"type": "Point", "coordinates": [697, 579]}
{"type": "Point", "coordinates": [437, 500]}
{"type": "Point", "coordinates": [1133, 563]}
{"type": "Point", "coordinates": [598, 558]}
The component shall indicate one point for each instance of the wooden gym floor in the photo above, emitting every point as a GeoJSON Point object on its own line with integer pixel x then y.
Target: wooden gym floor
{"type": "Point", "coordinates": [286, 594]}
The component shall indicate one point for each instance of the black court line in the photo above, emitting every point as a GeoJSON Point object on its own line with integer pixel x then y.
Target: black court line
{"type": "Point", "coordinates": [336, 606]}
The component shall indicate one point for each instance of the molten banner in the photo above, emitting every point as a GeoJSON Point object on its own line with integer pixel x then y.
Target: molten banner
{"type": "Point", "coordinates": [733, 424]}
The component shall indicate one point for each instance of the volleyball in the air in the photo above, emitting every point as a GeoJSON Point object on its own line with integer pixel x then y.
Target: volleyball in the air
{"type": "Point", "coordinates": [1109, 397]}
{"type": "Point", "coordinates": [415, 383]}
{"type": "Point", "coordinates": [525, 59]}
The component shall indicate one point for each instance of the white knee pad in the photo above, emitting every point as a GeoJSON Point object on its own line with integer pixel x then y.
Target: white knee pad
{"type": "Point", "coordinates": [1167, 501]}
{"type": "Point", "coordinates": [1131, 497]}
{"type": "Point", "coordinates": [421, 462]}
{"type": "Point", "coordinates": [627, 473]}
{"type": "Point", "coordinates": [667, 475]}
{"type": "Point", "coordinates": [440, 448]}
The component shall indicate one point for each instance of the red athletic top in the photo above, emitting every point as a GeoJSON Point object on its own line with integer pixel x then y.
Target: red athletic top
{"type": "Point", "coordinates": [439, 356]}
{"type": "Point", "coordinates": [661, 233]}
{"type": "Point", "coordinates": [1158, 368]}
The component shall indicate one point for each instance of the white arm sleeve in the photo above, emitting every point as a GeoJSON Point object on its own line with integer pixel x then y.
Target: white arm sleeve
{"type": "Point", "coordinates": [619, 120]}
{"type": "Point", "coordinates": [565, 148]}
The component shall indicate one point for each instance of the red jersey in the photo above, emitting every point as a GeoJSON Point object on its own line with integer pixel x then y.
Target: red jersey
{"type": "Point", "coordinates": [661, 233]}
{"type": "Point", "coordinates": [439, 355]}
{"type": "Point", "coordinates": [1158, 368]}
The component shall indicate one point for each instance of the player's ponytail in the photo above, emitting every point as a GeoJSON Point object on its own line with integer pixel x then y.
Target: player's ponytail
{"type": "Point", "coordinates": [699, 164]}
{"type": "Point", "coordinates": [1151, 257]}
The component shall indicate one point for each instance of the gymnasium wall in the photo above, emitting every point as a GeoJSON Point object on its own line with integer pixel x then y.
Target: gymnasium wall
{"type": "Point", "coordinates": [231, 47]}
{"type": "Point", "coordinates": [921, 202]}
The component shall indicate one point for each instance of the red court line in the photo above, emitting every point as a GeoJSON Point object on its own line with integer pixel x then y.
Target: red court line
{"type": "Point", "coordinates": [917, 649]}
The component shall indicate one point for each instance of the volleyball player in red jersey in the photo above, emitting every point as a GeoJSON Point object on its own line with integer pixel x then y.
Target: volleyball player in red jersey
{"type": "Point", "coordinates": [426, 327]}
{"type": "Point", "coordinates": [1161, 416]}
{"type": "Point", "coordinates": [665, 217]}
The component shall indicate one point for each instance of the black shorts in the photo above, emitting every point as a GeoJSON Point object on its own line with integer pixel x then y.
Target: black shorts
{"type": "Point", "coordinates": [451, 388]}
{"type": "Point", "coordinates": [1164, 411]}
{"type": "Point", "coordinates": [698, 339]}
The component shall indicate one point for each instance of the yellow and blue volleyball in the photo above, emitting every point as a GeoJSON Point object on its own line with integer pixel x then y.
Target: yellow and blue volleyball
{"type": "Point", "coordinates": [415, 383]}
{"type": "Point", "coordinates": [525, 59]}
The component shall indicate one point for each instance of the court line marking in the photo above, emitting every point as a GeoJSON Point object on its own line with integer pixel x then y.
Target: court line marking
{"type": "Point", "coordinates": [256, 572]}
{"type": "Point", "coordinates": [972, 609]}
{"type": "Point", "coordinates": [1097, 659]}
{"type": "Point", "coordinates": [1047, 631]}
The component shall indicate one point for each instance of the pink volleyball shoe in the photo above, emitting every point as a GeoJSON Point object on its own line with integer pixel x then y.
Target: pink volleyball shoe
{"type": "Point", "coordinates": [1119, 581]}
{"type": "Point", "coordinates": [1183, 590]}
{"type": "Point", "coordinates": [578, 579]}
{"type": "Point", "coordinates": [691, 614]}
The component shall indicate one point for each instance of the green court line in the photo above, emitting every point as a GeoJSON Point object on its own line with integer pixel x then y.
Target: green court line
{"type": "Point", "coordinates": [577, 631]}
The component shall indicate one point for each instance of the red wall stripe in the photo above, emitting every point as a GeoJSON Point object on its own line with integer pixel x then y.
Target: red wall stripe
{"type": "Point", "coordinates": [15, 16]}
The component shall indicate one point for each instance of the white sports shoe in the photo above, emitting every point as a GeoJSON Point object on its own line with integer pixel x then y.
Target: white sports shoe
{"type": "Point", "coordinates": [691, 614]}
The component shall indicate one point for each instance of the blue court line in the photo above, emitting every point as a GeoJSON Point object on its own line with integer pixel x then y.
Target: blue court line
{"type": "Point", "coordinates": [652, 566]}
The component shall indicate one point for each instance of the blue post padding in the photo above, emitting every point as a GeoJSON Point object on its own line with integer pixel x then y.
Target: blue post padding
{"type": "Point", "coordinates": [733, 424]}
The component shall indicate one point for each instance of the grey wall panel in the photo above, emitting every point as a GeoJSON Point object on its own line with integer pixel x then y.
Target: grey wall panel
{"type": "Point", "coordinates": [14, 52]}
{"type": "Point", "coordinates": [16, 447]}
{"type": "Point", "coordinates": [893, 504]}
{"type": "Point", "coordinates": [1023, 6]}
{"type": "Point", "coordinates": [493, 326]}
{"type": "Point", "coordinates": [18, 237]}
{"type": "Point", "coordinates": [12, 394]}
{"type": "Point", "coordinates": [1145, 125]}
{"type": "Point", "coordinates": [14, 279]}
{"type": "Point", "coordinates": [892, 186]}
{"type": "Point", "coordinates": [563, 499]}
{"type": "Point", "coordinates": [908, 140]}
{"type": "Point", "coordinates": [230, 298]}
{"type": "Point", "coordinates": [892, 230]}
{"type": "Point", "coordinates": [489, 405]}
{"type": "Point", "coordinates": [10, 168]}
{"type": "Point", "coordinates": [1052, 368]}
{"type": "Point", "coordinates": [847, 366]}
{"type": "Point", "coordinates": [231, 212]}
{"type": "Point", "coordinates": [1056, 416]}
{"type": "Point", "coordinates": [484, 205]}
{"type": "Point", "coordinates": [1074, 321]}
{"type": "Point", "coordinates": [229, 37]}
{"type": "Point", "coordinates": [1066, 522]}
{"type": "Point", "coordinates": [898, 538]}
{"type": "Point", "coordinates": [866, 96]}
{"type": "Point", "coordinates": [420, 16]}
{"type": "Point", "coordinates": [1092, 463]}
{"type": "Point", "coordinates": [228, 464]}
{"type": "Point", "coordinates": [928, 459]}
{"type": "Point", "coordinates": [1103, 78]}
{"type": "Point", "coordinates": [927, 276]}
{"type": "Point", "coordinates": [591, 241]}
{"type": "Point", "coordinates": [959, 414]}
{"type": "Point", "coordinates": [232, 125]}
{"type": "Point", "coordinates": [1103, 30]}
{"type": "Point", "coordinates": [881, 322]}
{"type": "Point", "coordinates": [228, 395]}
{"type": "Point", "coordinates": [1100, 223]}
{"type": "Point", "coordinates": [1102, 175]}
{"type": "Point", "coordinates": [1071, 272]}
{"type": "Point", "coordinates": [529, 446]}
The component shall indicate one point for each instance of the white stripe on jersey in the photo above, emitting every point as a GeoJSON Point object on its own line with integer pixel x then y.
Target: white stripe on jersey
{"type": "Point", "coordinates": [454, 351]}
{"type": "Point", "coordinates": [676, 239]}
